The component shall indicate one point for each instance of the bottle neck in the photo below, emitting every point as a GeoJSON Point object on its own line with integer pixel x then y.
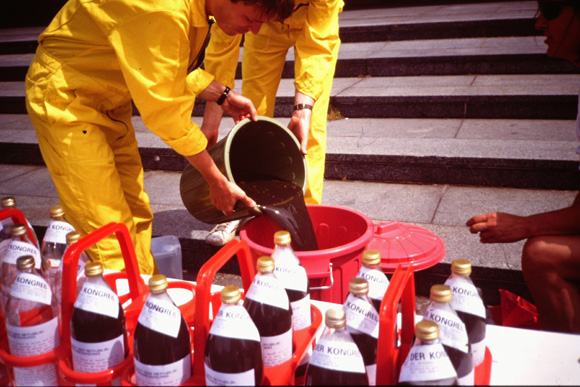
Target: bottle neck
{"type": "Point", "coordinates": [162, 296]}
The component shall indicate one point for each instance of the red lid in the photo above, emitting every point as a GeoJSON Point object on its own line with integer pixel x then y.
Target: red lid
{"type": "Point", "coordinates": [405, 245]}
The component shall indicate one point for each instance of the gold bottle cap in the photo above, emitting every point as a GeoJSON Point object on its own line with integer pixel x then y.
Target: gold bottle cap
{"type": "Point", "coordinates": [335, 318]}
{"type": "Point", "coordinates": [282, 237]}
{"type": "Point", "coordinates": [19, 229]}
{"type": "Point", "coordinates": [265, 264]}
{"type": "Point", "coordinates": [371, 257]}
{"type": "Point", "coordinates": [461, 267]}
{"type": "Point", "coordinates": [441, 293]}
{"type": "Point", "coordinates": [230, 294]}
{"type": "Point", "coordinates": [427, 330]}
{"type": "Point", "coordinates": [56, 212]}
{"type": "Point", "coordinates": [25, 262]}
{"type": "Point", "coordinates": [9, 202]}
{"type": "Point", "coordinates": [94, 269]}
{"type": "Point", "coordinates": [72, 237]}
{"type": "Point", "coordinates": [358, 286]}
{"type": "Point", "coordinates": [157, 283]}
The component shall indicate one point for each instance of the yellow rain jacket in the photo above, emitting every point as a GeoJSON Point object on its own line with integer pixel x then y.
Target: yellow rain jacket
{"type": "Point", "coordinates": [92, 60]}
{"type": "Point", "coordinates": [312, 30]}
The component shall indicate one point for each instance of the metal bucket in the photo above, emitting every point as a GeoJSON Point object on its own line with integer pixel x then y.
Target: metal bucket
{"type": "Point", "coordinates": [252, 150]}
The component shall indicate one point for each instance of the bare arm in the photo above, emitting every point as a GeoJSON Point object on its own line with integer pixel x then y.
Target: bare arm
{"type": "Point", "coordinates": [300, 121]}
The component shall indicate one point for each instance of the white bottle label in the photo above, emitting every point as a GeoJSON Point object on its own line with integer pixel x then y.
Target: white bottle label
{"type": "Point", "coordinates": [95, 357]}
{"type": "Point", "coordinates": [277, 349]}
{"type": "Point", "coordinates": [465, 296]}
{"type": "Point", "coordinates": [4, 246]}
{"type": "Point", "coordinates": [214, 378]}
{"type": "Point", "coordinates": [378, 282]}
{"type": "Point", "coordinates": [161, 316]}
{"type": "Point", "coordinates": [28, 286]}
{"type": "Point", "coordinates": [98, 299]}
{"type": "Point", "coordinates": [291, 276]}
{"type": "Point", "coordinates": [33, 340]}
{"type": "Point", "coordinates": [172, 374]}
{"type": "Point", "coordinates": [42, 375]}
{"type": "Point", "coordinates": [56, 232]}
{"type": "Point", "coordinates": [233, 321]}
{"type": "Point", "coordinates": [478, 352]}
{"type": "Point", "coordinates": [338, 356]}
{"type": "Point", "coordinates": [267, 290]}
{"type": "Point", "coordinates": [17, 249]}
{"type": "Point", "coordinates": [468, 379]}
{"type": "Point", "coordinates": [425, 363]}
{"type": "Point", "coordinates": [452, 330]}
{"type": "Point", "coordinates": [301, 316]}
{"type": "Point", "coordinates": [362, 316]}
{"type": "Point", "coordinates": [372, 374]}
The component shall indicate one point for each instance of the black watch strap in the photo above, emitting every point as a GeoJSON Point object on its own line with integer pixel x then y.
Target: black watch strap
{"type": "Point", "coordinates": [223, 96]}
{"type": "Point", "coordinates": [301, 106]}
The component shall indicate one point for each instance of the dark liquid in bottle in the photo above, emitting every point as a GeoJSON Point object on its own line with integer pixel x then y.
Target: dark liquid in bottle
{"type": "Point", "coordinates": [89, 327]}
{"type": "Point", "coordinates": [475, 326]}
{"type": "Point", "coordinates": [270, 320]}
{"type": "Point", "coordinates": [283, 203]}
{"type": "Point", "coordinates": [244, 354]}
{"type": "Point", "coordinates": [296, 295]}
{"type": "Point", "coordinates": [376, 303]}
{"type": "Point", "coordinates": [462, 362]}
{"type": "Point", "coordinates": [367, 345]}
{"type": "Point", "coordinates": [316, 376]}
{"type": "Point", "coordinates": [154, 348]}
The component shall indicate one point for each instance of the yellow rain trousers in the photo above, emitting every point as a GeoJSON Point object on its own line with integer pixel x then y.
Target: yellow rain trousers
{"type": "Point", "coordinates": [92, 60]}
{"type": "Point", "coordinates": [312, 30]}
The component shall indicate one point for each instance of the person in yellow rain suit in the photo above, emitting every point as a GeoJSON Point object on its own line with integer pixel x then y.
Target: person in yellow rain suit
{"type": "Point", "coordinates": [97, 56]}
{"type": "Point", "coordinates": [312, 30]}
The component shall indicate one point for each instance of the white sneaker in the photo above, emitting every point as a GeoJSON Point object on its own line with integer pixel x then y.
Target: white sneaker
{"type": "Point", "coordinates": [222, 233]}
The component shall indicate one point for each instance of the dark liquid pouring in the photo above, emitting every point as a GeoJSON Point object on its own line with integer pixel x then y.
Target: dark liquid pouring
{"type": "Point", "coordinates": [284, 204]}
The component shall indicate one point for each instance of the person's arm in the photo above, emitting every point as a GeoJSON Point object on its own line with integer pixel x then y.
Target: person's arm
{"type": "Point", "coordinates": [499, 227]}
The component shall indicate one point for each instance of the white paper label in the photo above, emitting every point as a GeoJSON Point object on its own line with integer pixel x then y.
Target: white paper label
{"type": "Point", "coordinates": [56, 232]}
{"type": "Point", "coordinates": [33, 340]}
{"type": "Point", "coordinates": [362, 316]}
{"type": "Point", "coordinates": [28, 286]}
{"type": "Point", "coordinates": [372, 374]}
{"type": "Point", "coordinates": [378, 282]}
{"type": "Point", "coordinates": [161, 316]}
{"type": "Point", "coordinates": [267, 290]}
{"type": "Point", "coordinates": [233, 321]}
{"type": "Point", "coordinates": [452, 330]}
{"type": "Point", "coordinates": [425, 363]}
{"type": "Point", "coordinates": [98, 299]}
{"type": "Point", "coordinates": [478, 352]}
{"type": "Point", "coordinates": [95, 357]}
{"type": "Point", "coordinates": [214, 378]}
{"type": "Point", "coordinates": [17, 249]}
{"type": "Point", "coordinates": [338, 356]}
{"type": "Point", "coordinates": [42, 375]}
{"type": "Point", "coordinates": [172, 374]}
{"type": "Point", "coordinates": [301, 318]}
{"type": "Point", "coordinates": [276, 349]}
{"type": "Point", "coordinates": [291, 276]}
{"type": "Point", "coordinates": [4, 246]}
{"type": "Point", "coordinates": [467, 380]}
{"type": "Point", "coordinates": [465, 296]}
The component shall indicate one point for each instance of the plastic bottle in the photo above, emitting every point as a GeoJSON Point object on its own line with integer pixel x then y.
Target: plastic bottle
{"type": "Point", "coordinates": [269, 307]}
{"type": "Point", "coordinates": [469, 307]}
{"type": "Point", "coordinates": [371, 271]}
{"type": "Point", "coordinates": [452, 333]}
{"type": "Point", "coordinates": [5, 224]}
{"type": "Point", "coordinates": [32, 324]}
{"type": "Point", "coordinates": [84, 258]}
{"type": "Point", "coordinates": [162, 342]}
{"type": "Point", "coordinates": [54, 242]}
{"type": "Point", "coordinates": [336, 359]}
{"type": "Point", "coordinates": [362, 321]}
{"type": "Point", "coordinates": [19, 246]}
{"type": "Point", "coordinates": [427, 363]}
{"type": "Point", "coordinates": [98, 327]}
{"type": "Point", "coordinates": [233, 353]}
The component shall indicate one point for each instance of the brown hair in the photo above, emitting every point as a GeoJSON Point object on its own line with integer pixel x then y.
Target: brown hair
{"type": "Point", "coordinates": [277, 9]}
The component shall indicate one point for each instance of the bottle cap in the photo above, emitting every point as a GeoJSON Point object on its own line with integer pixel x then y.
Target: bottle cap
{"type": "Point", "coordinates": [371, 257]}
{"type": "Point", "coordinates": [335, 318]}
{"type": "Point", "coordinates": [358, 286]}
{"type": "Point", "coordinates": [18, 229]}
{"type": "Point", "coordinates": [265, 264]}
{"type": "Point", "coordinates": [441, 293]}
{"type": "Point", "coordinates": [93, 269]}
{"type": "Point", "coordinates": [157, 283]}
{"type": "Point", "coordinates": [9, 202]}
{"type": "Point", "coordinates": [72, 237]}
{"type": "Point", "coordinates": [282, 237]}
{"type": "Point", "coordinates": [25, 262]}
{"type": "Point", "coordinates": [56, 212]}
{"type": "Point", "coordinates": [427, 330]}
{"type": "Point", "coordinates": [461, 267]}
{"type": "Point", "coordinates": [230, 294]}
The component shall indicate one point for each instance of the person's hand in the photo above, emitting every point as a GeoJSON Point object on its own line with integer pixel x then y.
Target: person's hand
{"type": "Point", "coordinates": [224, 195]}
{"type": "Point", "coordinates": [498, 227]}
{"type": "Point", "coordinates": [300, 126]}
{"type": "Point", "coordinates": [239, 107]}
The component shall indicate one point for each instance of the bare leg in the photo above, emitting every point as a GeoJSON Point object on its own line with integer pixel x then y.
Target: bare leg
{"type": "Point", "coordinates": [551, 267]}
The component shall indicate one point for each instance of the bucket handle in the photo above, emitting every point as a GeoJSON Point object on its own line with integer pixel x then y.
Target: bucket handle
{"type": "Point", "coordinates": [331, 280]}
